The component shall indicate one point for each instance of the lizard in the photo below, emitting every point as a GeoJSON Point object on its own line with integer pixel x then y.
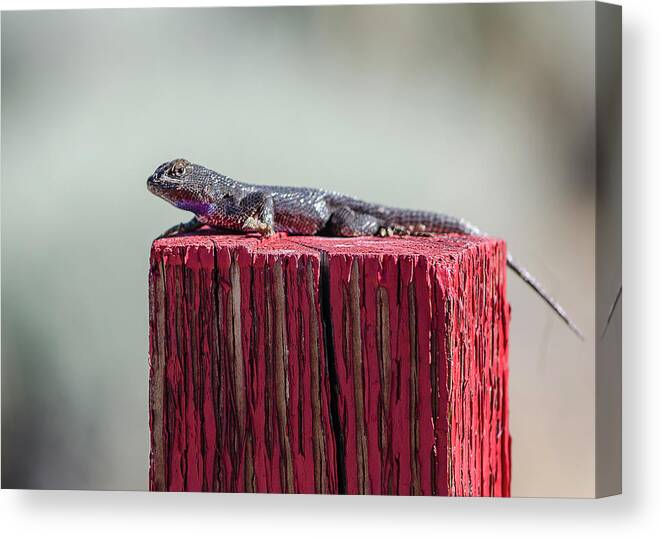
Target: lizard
{"type": "Point", "coordinates": [221, 202]}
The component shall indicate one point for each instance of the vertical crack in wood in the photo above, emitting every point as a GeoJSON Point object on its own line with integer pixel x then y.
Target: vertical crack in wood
{"type": "Point", "coordinates": [434, 367]}
{"type": "Point", "coordinates": [168, 396]}
{"type": "Point", "coordinates": [413, 392]}
{"type": "Point", "coordinates": [318, 442]}
{"type": "Point", "coordinates": [249, 473]}
{"type": "Point", "coordinates": [179, 316]}
{"type": "Point", "coordinates": [268, 366]}
{"type": "Point", "coordinates": [331, 370]}
{"type": "Point", "coordinates": [281, 377]}
{"type": "Point", "coordinates": [216, 377]}
{"type": "Point", "coordinates": [194, 416]}
{"type": "Point", "coordinates": [238, 369]}
{"type": "Point", "coordinates": [357, 360]}
{"type": "Point", "coordinates": [383, 353]}
{"type": "Point", "coordinates": [449, 354]}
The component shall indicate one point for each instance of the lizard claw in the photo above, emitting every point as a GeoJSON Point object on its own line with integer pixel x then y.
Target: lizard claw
{"type": "Point", "coordinates": [389, 231]}
{"type": "Point", "coordinates": [416, 230]}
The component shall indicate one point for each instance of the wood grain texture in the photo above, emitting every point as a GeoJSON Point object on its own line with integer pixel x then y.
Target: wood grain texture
{"type": "Point", "coordinates": [329, 365]}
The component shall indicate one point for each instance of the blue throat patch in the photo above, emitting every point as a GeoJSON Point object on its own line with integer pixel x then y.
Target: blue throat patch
{"type": "Point", "coordinates": [193, 206]}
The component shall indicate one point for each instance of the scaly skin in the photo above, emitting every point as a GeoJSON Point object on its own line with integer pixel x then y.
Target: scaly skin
{"type": "Point", "coordinates": [225, 203]}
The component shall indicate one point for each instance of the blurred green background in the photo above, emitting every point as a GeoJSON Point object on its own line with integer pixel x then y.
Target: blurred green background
{"type": "Point", "coordinates": [482, 111]}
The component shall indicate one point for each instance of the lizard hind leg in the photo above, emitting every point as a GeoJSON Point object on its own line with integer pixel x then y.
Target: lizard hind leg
{"type": "Point", "coordinates": [346, 222]}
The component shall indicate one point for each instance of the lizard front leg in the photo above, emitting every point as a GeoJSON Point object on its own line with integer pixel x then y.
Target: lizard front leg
{"type": "Point", "coordinates": [183, 227]}
{"type": "Point", "coordinates": [258, 213]}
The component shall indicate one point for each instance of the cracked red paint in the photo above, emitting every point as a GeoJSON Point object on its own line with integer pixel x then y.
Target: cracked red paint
{"type": "Point", "coordinates": [329, 365]}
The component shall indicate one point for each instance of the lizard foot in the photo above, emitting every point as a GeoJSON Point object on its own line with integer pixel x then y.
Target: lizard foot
{"type": "Point", "coordinates": [251, 224]}
{"type": "Point", "coordinates": [417, 230]}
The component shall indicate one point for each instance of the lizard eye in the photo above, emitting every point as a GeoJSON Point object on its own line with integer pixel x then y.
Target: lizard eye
{"type": "Point", "coordinates": [178, 168]}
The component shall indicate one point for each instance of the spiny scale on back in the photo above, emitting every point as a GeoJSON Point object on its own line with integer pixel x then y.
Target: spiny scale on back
{"type": "Point", "coordinates": [222, 202]}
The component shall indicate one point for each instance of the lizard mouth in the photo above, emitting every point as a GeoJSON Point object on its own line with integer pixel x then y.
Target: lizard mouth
{"type": "Point", "coordinates": [157, 183]}
{"type": "Point", "coordinates": [153, 184]}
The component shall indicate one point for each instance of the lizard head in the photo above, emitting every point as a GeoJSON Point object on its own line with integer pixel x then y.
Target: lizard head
{"type": "Point", "coordinates": [185, 185]}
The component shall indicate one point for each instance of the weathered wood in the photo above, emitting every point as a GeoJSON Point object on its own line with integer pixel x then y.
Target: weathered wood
{"type": "Point", "coordinates": [328, 365]}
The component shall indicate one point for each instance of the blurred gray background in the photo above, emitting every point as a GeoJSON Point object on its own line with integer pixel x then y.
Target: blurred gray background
{"type": "Point", "coordinates": [482, 111]}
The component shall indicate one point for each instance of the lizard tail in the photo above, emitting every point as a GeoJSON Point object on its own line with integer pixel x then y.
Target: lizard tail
{"type": "Point", "coordinates": [447, 223]}
{"type": "Point", "coordinates": [463, 226]}
{"type": "Point", "coordinates": [441, 223]}
{"type": "Point", "coordinates": [535, 285]}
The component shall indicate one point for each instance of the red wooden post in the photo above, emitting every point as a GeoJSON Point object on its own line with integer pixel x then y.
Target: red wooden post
{"type": "Point", "coordinates": [329, 365]}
